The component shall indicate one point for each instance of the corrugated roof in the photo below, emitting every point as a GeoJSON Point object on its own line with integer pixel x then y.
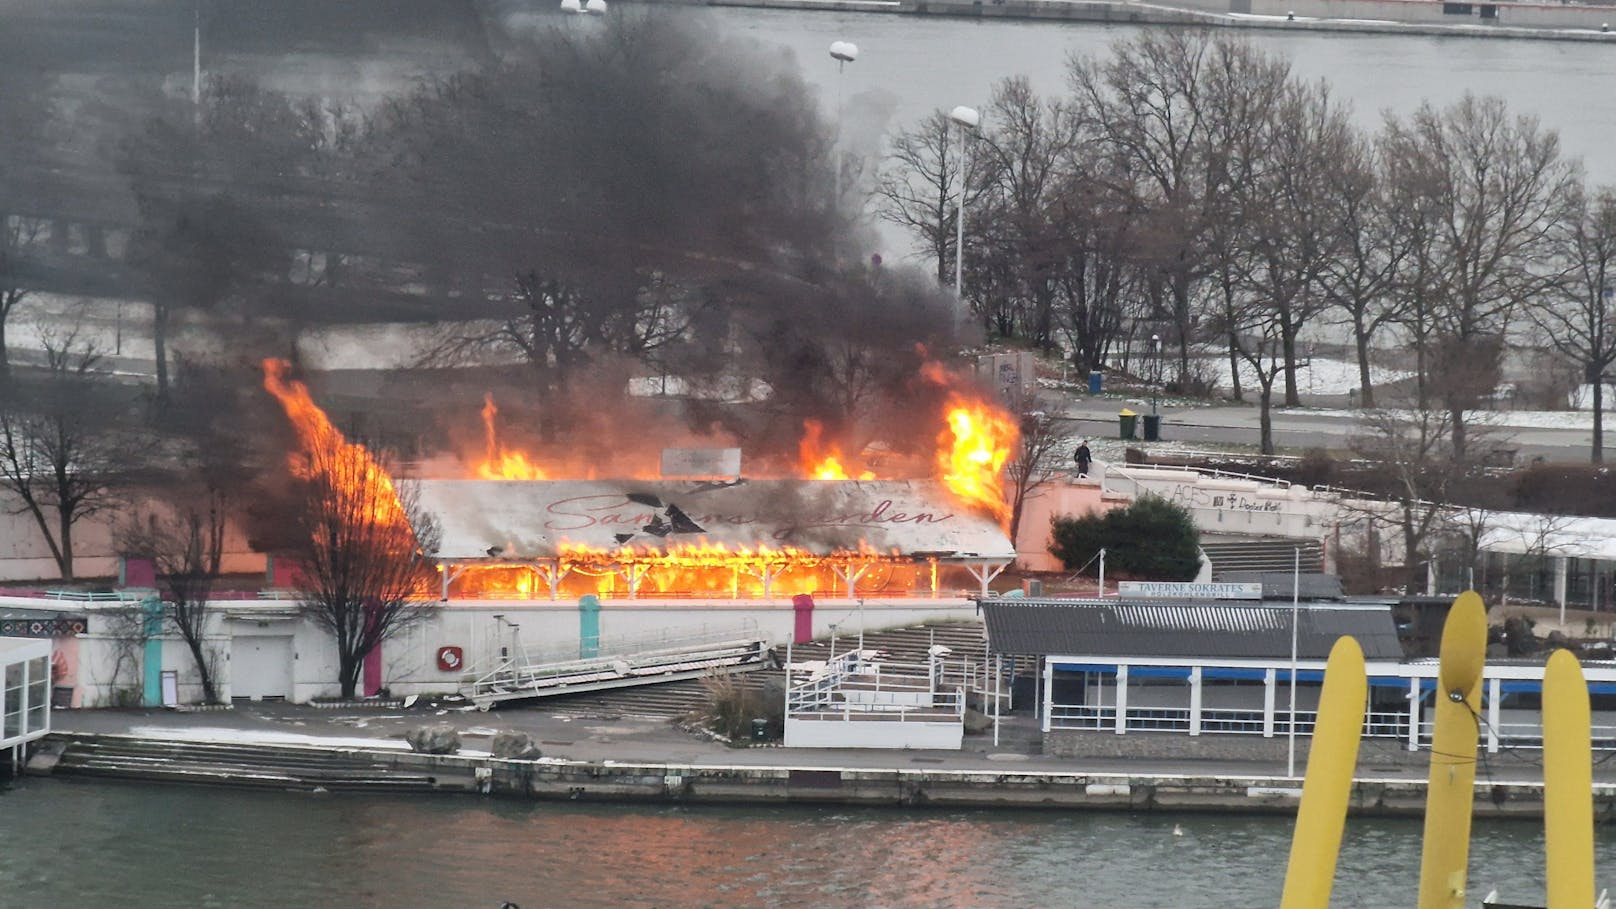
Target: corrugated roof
{"type": "Point", "coordinates": [1182, 629]}
{"type": "Point", "coordinates": [515, 520]}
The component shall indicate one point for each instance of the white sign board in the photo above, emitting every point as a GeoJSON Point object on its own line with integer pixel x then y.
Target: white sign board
{"type": "Point", "coordinates": [701, 463]}
{"type": "Point", "coordinates": [1184, 590]}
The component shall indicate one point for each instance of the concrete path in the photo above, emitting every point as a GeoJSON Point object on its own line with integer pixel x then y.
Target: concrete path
{"type": "Point", "coordinates": [657, 740]}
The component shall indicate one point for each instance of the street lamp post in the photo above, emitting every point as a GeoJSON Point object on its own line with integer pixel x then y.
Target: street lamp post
{"type": "Point", "coordinates": [968, 119]}
{"type": "Point", "coordinates": [843, 52]}
{"type": "Point", "coordinates": [1156, 363]}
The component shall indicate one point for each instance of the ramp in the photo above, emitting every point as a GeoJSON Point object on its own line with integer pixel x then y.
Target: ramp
{"type": "Point", "coordinates": [693, 657]}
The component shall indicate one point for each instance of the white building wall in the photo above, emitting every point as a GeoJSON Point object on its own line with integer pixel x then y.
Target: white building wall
{"type": "Point", "coordinates": [107, 660]}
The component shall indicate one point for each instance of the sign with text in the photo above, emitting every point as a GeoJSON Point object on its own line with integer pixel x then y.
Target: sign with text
{"type": "Point", "coordinates": [1186, 590]}
{"type": "Point", "coordinates": [701, 463]}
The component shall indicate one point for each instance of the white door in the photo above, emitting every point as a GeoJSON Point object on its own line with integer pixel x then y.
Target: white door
{"type": "Point", "coordinates": [261, 667]}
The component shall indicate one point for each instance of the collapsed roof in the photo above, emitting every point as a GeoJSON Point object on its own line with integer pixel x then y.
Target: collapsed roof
{"type": "Point", "coordinates": [509, 520]}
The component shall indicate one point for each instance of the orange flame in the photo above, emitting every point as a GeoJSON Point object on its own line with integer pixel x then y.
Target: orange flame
{"type": "Point", "coordinates": [972, 453]}
{"type": "Point", "coordinates": [819, 461]}
{"type": "Point", "coordinates": [325, 449]}
{"type": "Point", "coordinates": [499, 463]}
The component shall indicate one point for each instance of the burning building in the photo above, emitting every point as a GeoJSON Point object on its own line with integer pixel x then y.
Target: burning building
{"type": "Point", "coordinates": [714, 539]}
{"type": "Point", "coordinates": [509, 528]}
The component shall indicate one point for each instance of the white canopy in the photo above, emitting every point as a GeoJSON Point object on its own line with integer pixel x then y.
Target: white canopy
{"type": "Point", "coordinates": [508, 520]}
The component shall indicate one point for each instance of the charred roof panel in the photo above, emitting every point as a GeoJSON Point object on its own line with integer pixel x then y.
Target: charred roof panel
{"type": "Point", "coordinates": [1184, 629]}
{"type": "Point", "coordinates": [514, 520]}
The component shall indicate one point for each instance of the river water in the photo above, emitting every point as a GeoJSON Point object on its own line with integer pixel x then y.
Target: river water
{"type": "Point", "coordinates": [113, 844]}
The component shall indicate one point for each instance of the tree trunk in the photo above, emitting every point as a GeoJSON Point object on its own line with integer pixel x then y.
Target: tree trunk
{"type": "Point", "coordinates": [1287, 340]}
{"type": "Point", "coordinates": [1598, 453]}
{"type": "Point", "coordinates": [160, 350]}
{"type": "Point", "coordinates": [1234, 369]}
{"type": "Point", "coordinates": [64, 559]}
{"type": "Point", "coordinates": [194, 641]}
{"type": "Point", "coordinates": [1457, 413]}
{"type": "Point", "coordinates": [1411, 554]}
{"type": "Point", "coordinates": [1265, 418]}
{"type": "Point", "coordinates": [348, 668]}
{"type": "Point", "coordinates": [1366, 397]}
{"type": "Point", "coordinates": [5, 361]}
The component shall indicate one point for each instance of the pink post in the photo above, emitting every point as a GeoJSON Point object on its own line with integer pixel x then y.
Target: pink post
{"type": "Point", "coordinates": [803, 604]}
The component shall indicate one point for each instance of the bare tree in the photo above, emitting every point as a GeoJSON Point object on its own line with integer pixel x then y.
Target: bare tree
{"type": "Point", "coordinates": [62, 451]}
{"type": "Point", "coordinates": [1418, 470]}
{"type": "Point", "coordinates": [364, 550]}
{"type": "Point", "coordinates": [1580, 317]}
{"type": "Point", "coordinates": [1490, 190]}
{"type": "Point", "coordinates": [19, 237]}
{"type": "Point", "coordinates": [1362, 279]}
{"type": "Point", "coordinates": [1037, 461]}
{"type": "Point", "coordinates": [183, 546]}
{"type": "Point", "coordinates": [919, 187]}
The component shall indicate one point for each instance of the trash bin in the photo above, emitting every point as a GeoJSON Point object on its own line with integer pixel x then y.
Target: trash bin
{"type": "Point", "coordinates": [1094, 381]}
{"type": "Point", "coordinates": [1127, 420]}
{"type": "Point", "coordinates": [760, 730]}
{"type": "Point", "coordinates": [1152, 427]}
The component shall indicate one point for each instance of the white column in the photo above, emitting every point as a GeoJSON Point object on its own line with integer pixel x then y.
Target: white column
{"type": "Point", "coordinates": [1414, 714]}
{"type": "Point", "coordinates": [1494, 690]}
{"type": "Point", "coordinates": [1430, 577]}
{"type": "Point", "coordinates": [1268, 704]}
{"type": "Point", "coordinates": [1122, 700]}
{"type": "Point", "coordinates": [1049, 689]}
{"type": "Point", "coordinates": [1195, 700]}
{"type": "Point", "coordinates": [1561, 565]}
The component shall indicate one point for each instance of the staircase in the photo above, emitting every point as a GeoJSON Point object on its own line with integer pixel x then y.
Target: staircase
{"type": "Point", "coordinates": [247, 765]}
{"type": "Point", "coordinates": [1262, 555]}
{"type": "Point", "coordinates": [679, 698]}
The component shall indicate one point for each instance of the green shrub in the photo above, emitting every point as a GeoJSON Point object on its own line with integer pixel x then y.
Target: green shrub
{"type": "Point", "coordinates": [1151, 539]}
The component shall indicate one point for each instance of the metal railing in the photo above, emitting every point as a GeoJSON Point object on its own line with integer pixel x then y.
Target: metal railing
{"type": "Point", "coordinates": [852, 684]}
{"type": "Point", "coordinates": [512, 679]}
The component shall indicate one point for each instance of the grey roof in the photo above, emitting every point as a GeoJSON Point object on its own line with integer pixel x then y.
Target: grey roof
{"type": "Point", "coordinates": [1182, 629]}
{"type": "Point", "coordinates": [1278, 585]}
{"type": "Point", "coordinates": [516, 520]}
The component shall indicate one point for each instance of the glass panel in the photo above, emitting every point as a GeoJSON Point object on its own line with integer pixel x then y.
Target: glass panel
{"type": "Point", "coordinates": [36, 715]}
{"type": "Point", "coordinates": [13, 675]}
{"type": "Point", "coordinates": [13, 724]}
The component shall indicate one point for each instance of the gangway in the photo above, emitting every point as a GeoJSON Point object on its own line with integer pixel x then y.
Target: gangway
{"type": "Point", "coordinates": [621, 664]}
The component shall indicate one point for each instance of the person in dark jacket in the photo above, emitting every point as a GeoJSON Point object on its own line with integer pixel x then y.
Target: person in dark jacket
{"type": "Point", "coordinates": [1084, 458]}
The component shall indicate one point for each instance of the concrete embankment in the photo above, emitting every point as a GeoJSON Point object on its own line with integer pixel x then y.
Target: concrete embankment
{"type": "Point", "coordinates": [302, 767]}
{"type": "Point", "coordinates": [1559, 22]}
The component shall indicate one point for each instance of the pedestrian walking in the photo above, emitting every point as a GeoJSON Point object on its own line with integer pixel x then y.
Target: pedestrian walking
{"type": "Point", "coordinates": [1084, 458]}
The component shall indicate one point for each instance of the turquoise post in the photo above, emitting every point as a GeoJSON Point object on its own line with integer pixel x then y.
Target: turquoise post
{"type": "Point", "coordinates": [151, 610]}
{"type": "Point", "coordinates": [588, 626]}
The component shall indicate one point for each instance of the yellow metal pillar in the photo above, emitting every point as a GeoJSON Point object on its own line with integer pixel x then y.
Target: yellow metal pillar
{"type": "Point", "coordinates": [1327, 788]}
{"type": "Point", "coordinates": [1568, 783]}
{"type": "Point", "coordinates": [1450, 795]}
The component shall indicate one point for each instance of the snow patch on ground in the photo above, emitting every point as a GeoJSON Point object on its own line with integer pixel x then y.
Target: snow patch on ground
{"type": "Point", "coordinates": [223, 736]}
{"type": "Point", "coordinates": [1511, 419]}
{"type": "Point", "coordinates": [1318, 376]}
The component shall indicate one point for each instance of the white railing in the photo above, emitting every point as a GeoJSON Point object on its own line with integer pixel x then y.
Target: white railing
{"type": "Point", "coordinates": [853, 684]}
{"type": "Point", "coordinates": [1236, 722]}
{"type": "Point", "coordinates": [512, 678]}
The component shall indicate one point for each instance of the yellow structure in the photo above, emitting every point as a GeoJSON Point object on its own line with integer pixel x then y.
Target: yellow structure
{"type": "Point", "coordinates": [1327, 788]}
{"type": "Point", "coordinates": [1450, 794]}
{"type": "Point", "coordinates": [1568, 781]}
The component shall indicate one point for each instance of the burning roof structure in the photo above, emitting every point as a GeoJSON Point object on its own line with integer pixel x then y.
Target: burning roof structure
{"type": "Point", "coordinates": [509, 529]}
{"type": "Point", "coordinates": [678, 538]}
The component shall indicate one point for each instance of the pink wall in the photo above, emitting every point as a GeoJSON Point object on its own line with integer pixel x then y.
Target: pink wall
{"type": "Point", "coordinates": [1062, 496]}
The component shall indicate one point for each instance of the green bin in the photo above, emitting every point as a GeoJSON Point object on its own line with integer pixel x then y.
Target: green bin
{"type": "Point", "coordinates": [760, 730]}
{"type": "Point", "coordinates": [1152, 427]}
{"type": "Point", "coordinates": [1127, 422]}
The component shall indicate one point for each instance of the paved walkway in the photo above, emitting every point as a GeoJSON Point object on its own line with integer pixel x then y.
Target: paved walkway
{"type": "Point", "coordinates": [658, 741]}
